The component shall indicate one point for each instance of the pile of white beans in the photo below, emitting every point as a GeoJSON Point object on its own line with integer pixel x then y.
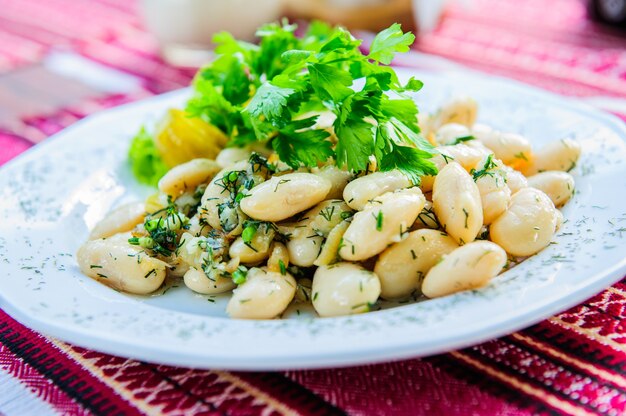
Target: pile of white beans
{"type": "Point", "coordinates": [342, 241]}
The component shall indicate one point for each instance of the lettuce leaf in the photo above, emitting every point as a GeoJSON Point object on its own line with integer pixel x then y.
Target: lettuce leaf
{"type": "Point", "coordinates": [145, 160]}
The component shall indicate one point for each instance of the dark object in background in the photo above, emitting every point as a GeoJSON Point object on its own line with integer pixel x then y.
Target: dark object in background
{"type": "Point", "coordinates": [612, 12]}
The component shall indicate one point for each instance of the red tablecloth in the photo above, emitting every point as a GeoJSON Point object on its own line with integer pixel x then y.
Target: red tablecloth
{"type": "Point", "coordinates": [573, 363]}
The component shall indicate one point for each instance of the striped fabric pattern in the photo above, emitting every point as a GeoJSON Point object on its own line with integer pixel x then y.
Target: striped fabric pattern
{"type": "Point", "coordinates": [573, 363]}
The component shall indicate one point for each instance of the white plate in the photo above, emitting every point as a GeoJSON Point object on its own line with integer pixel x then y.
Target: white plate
{"type": "Point", "coordinates": [53, 194]}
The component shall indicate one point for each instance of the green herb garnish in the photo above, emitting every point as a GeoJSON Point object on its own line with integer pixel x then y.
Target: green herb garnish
{"type": "Point", "coordinates": [462, 139]}
{"type": "Point", "coordinates": [249, 232]}
{"type": "Point", "coordinates": [162, 235]}
{"type": "Point", "coordinates": [145, 160]}
{"type": "Point", "coordinates": [274, 93]}
{"type": "Point", "coordinates": [379, 221]}
{"type": "Point", "coordinates": [485, 171]}
{"type": "Point", "coordinates": [239, 275]}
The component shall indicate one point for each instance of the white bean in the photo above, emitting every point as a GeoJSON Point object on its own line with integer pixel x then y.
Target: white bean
{"type": "Point", "coordinates": [120, 220]}
{"type": "Point", "coordinates": [156, 202]}
{"type": "Point", "coordinates": [448, 133]}
{"type": "Point", "coordinates": [401, 268]}
{"type": "Point", "coordinates": [480, 129]}
{"type": "Point", "coordinates": [456, 202]}
{"type": "Point", "coordinates": [198, 226]}
{"type": "Point", "coordinates": [383, 221]}
{"type": "Point", "coordinates": [495, 195]}
{"type": "Point", "coordinates": [461, 110]}
{"type": "Point", "coordinates": [344, 289]}
{"type": "Point", "coordinates": [190, 251]}
{"type": "Point", "coordinates": [559, 186]}
{"type": "Point", "coordinates": [264, 295]}
{"type": "Point", "coordinates": [258, 247]}
{"type": "Point", "coordinates": [304, 250]}
{"type": "Point", "coordinates": [199, 282]}
{"type": "Point", "coordinates": [206, 254]}
{"type": "Point", "coordinates": [279, 258]}
{"type": "Point", "coordinates": [330, 249]}
{"type": "Point", "coordinates": [259, 251]}
{"type": "Point", "coordinates": [284, 196]}
{"type": "Point", "coordinates": [124, 267]}
{"type": "Point", "coordinates": [468, 267]}
{"type": "Point", "coordinates": [515, 180]}
{"type": "Point", "coordinates": [477, 144]}
{"type": "Point", "coordinates": [559, 219]}
{"type": "Point", "coordinates": [362, 190]}
{"type": "Point", "coordinates": [338, 179]}
{"type": "Point", "coordinates": [528, 225]}
{"type": "Point", "coordinates": [231, 155]}
{"type": "Point", "coordinates": [307, 235]}
{"type": "Point", "coordinates": [464, 155]}
{"type": "Point", "coordinates": [188, 176]}
{"type": "Point", "coordinates": [559, 155]}
{"type": "Point", "coordinates": [510, 148]}
{"type": "Point", "coordinates": [326, 215]}
{"type": "Point", "coordinates": [215, 194]}
{"type": "Point", "coordinates": [177, 267]}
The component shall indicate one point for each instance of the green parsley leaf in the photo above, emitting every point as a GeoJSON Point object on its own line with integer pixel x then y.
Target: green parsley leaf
{"type": "Point", "coordinates": [317, 34]}
{"type": "Point", "coordinates": [296, 56]}
{"type": "Point", "coordinates": [413, 85]}
{"type": "Point", "coordinates": [270, 101]}
{"type": "Point", "coordinates": [208, 103]}
{"type": "Point", "coordinates": [403, 110]}
{"type": "Point", "coordinates": [412, 162]}
{"type": "Point", "coordinates": [287, 81]}
{"type": "Point", "coordinates": [302, 148]}
{"type": "Point", "coordinates": [230, 73]}
{"type": "Point", "coordinates": [276, 39]}
{"type": "Point", "coordinates": [227, 45]}
{"type": "Point", "coordinates": [330, 83]}
{"type": "Point", "coordinates": [388, 42]}
{"type": "Point", "coordinates": [341, 41]}
{"type": "Point", "coordinates": [404, 133]}
{"type": "Point", "coordinates": [355, 144]}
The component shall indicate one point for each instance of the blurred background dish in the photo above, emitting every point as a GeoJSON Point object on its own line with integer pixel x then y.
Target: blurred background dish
{"type": "Point", "coordinates": [354, 14]}
{"type": "Point", "coordinates": [184, 28]}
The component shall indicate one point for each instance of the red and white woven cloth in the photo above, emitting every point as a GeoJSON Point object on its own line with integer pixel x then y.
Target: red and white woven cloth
{"type": "Point", "coordinates": [572, 363]}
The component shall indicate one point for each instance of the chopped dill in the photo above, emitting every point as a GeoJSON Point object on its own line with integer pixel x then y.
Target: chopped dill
{"type": "Point", "coordinates": [462, 139]}
{"type": "Point", "coordinates": [489, 164]}
{"type": "Point", "coordinates": [379, 221]}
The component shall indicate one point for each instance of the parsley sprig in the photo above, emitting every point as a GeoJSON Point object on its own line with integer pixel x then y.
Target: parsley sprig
{"type": "Point", "coordinates": [275, 91]}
